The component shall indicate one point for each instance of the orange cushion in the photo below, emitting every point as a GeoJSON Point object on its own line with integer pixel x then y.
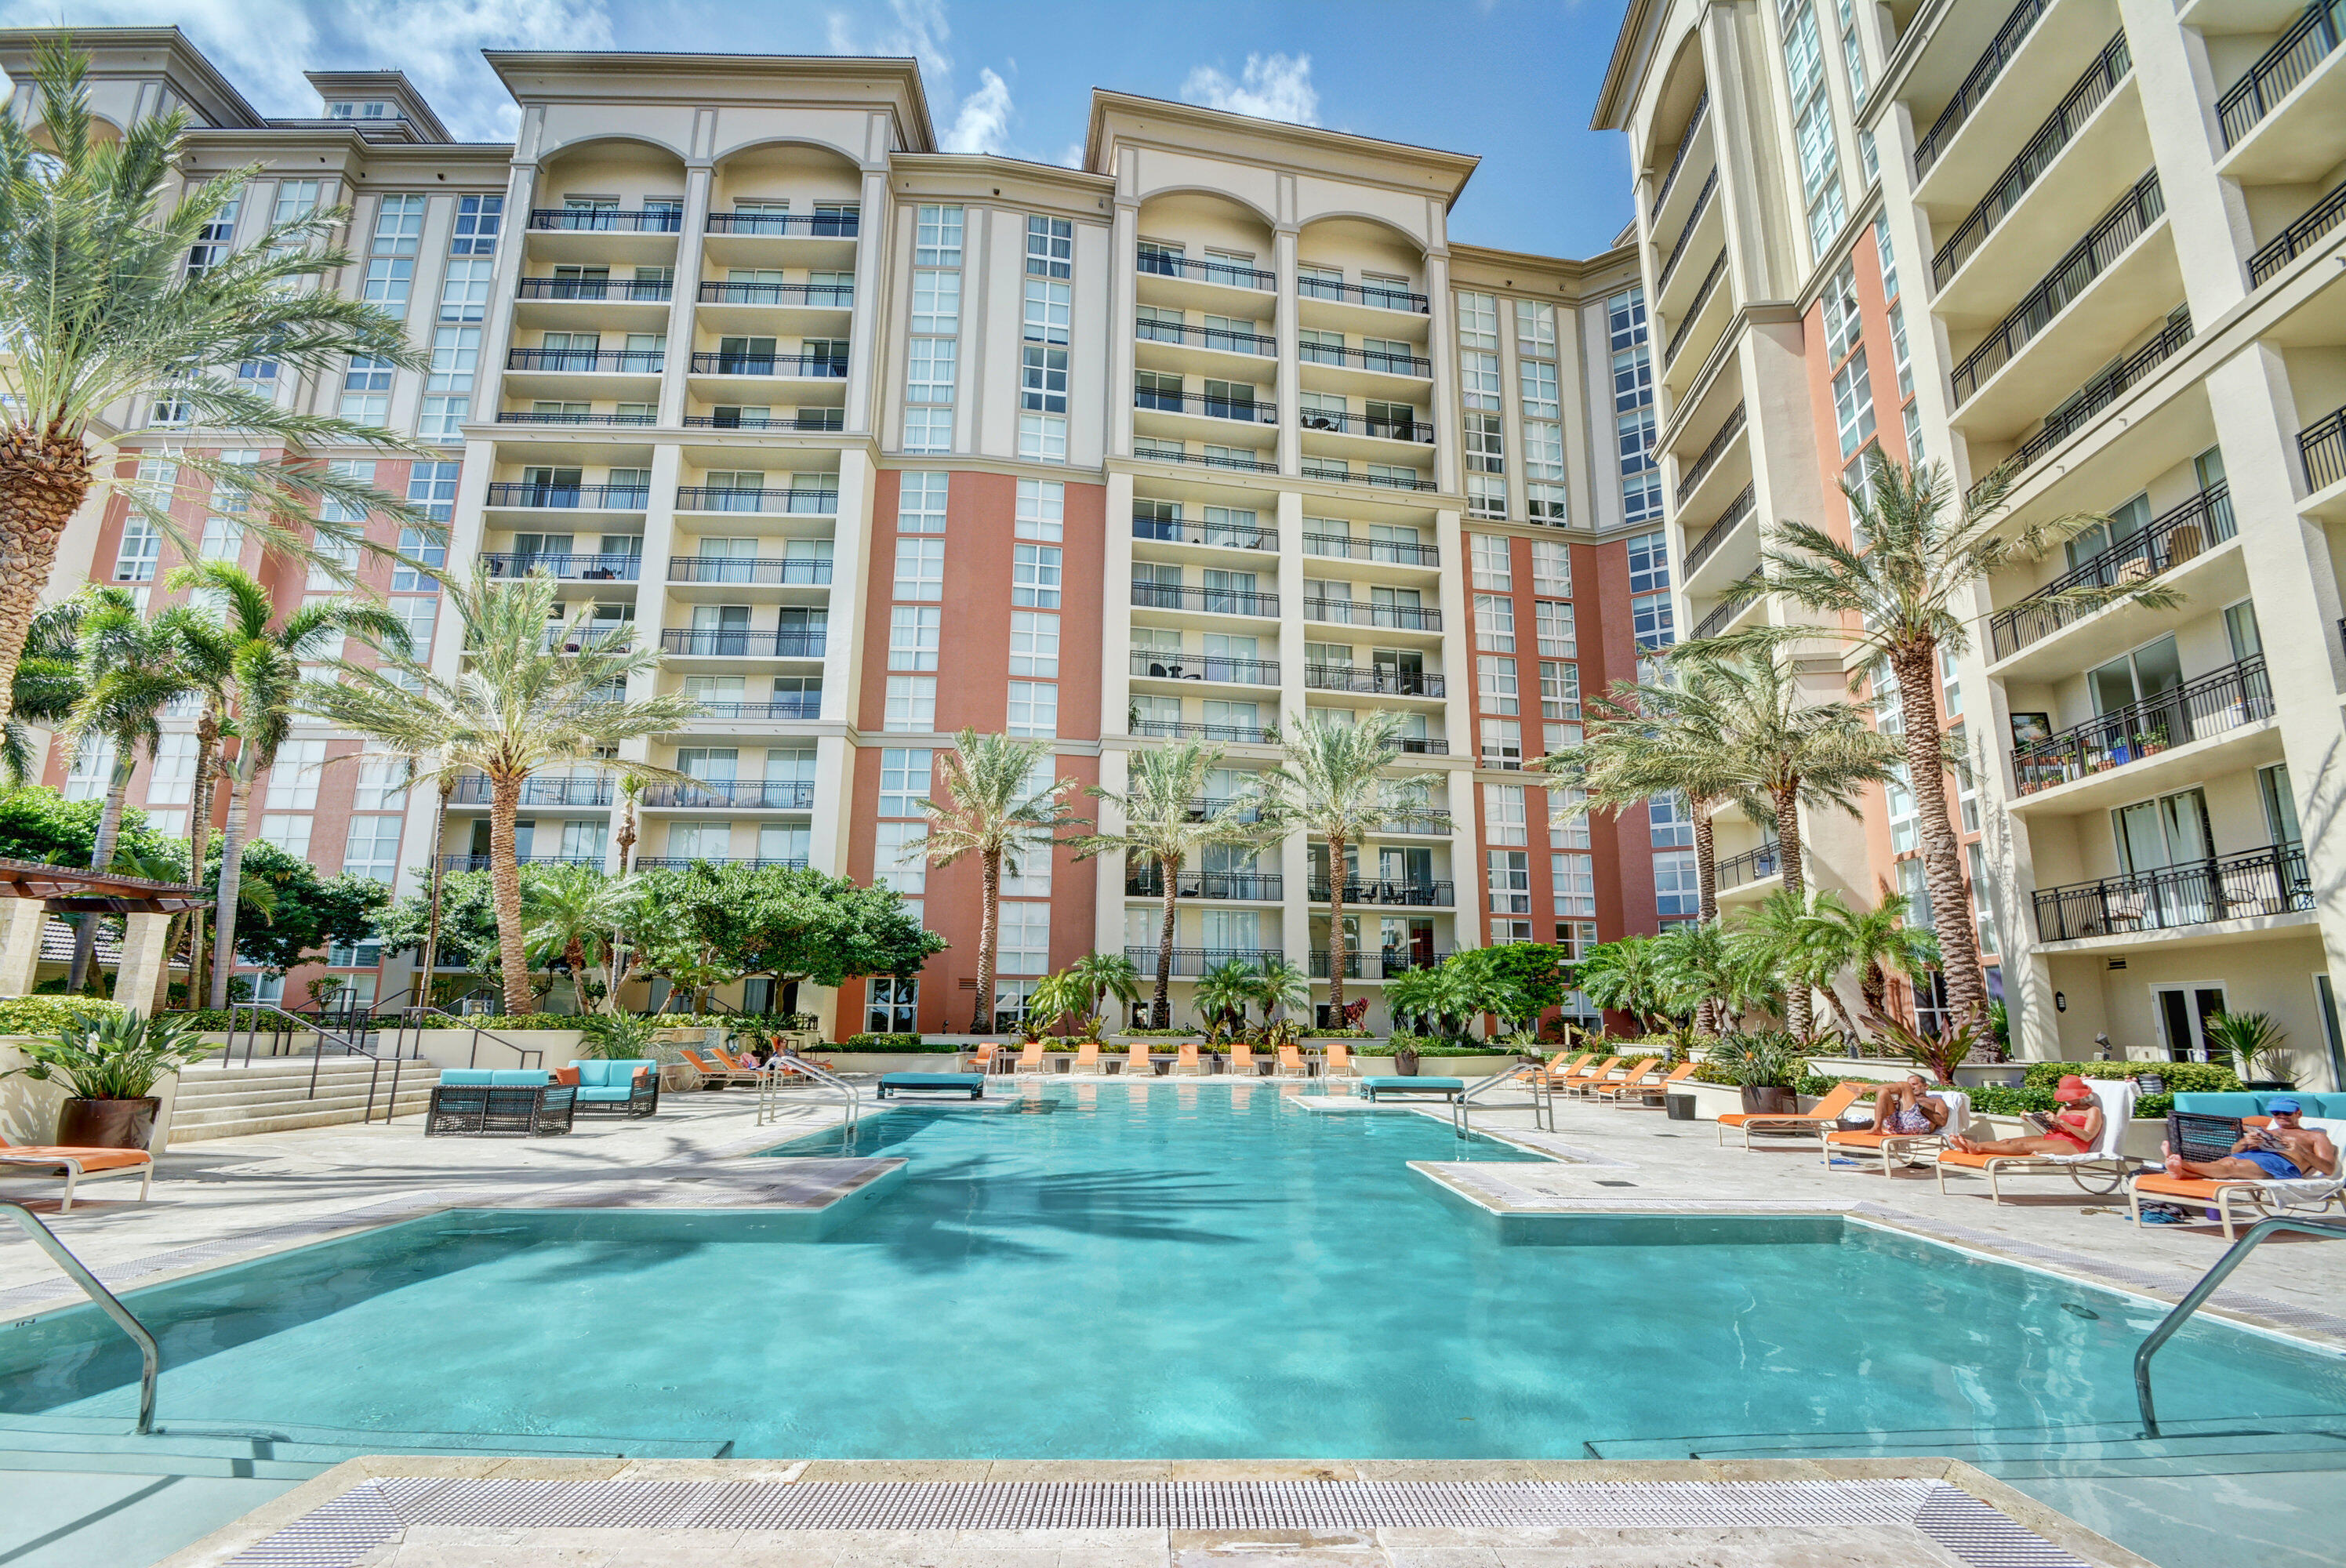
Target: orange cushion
{"type": "Point", "coordinates": [91, 1159]}
{"type": "Point", "coordinates": [2184, 1187]}
{"type": "Point", "coordinates": [567, 1075]}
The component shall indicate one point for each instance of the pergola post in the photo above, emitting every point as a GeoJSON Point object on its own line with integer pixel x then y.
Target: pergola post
{"type": "Point", "coordinates": [22, 923]}
{"type": "Point", "coordinates": [139, 980]}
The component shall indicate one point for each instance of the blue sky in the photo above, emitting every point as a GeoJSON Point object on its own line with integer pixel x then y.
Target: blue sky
{"type": "Point", "coordinates": [1509, 79]}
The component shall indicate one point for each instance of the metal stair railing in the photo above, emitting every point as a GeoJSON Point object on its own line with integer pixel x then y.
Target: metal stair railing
{"type": "Point", "coordinates": [412, 1018]}
{"type": "Point", "coordinates": [771, 1081]}
{"type": "Point", "coordinates": [2216, 1276]}
{"type": "Point", "coordinates": [282, 1026]}
{"type": "Point", "coordinates": [1543, 1098]}
{"type": "Point", "coordinates": [150, 1357]}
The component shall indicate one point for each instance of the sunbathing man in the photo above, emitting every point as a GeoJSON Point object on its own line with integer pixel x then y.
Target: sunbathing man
{"type": "Point", "coordinates": [2285, 1151]}
{"type": "Point", "coordinates": [2073, 1132]}
{"type": "Point", "coordinates": [1908, 1107]}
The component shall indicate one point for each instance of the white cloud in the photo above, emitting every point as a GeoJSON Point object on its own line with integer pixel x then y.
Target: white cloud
{"type": "Point", "coordinates": [984, 123]}
{"type": "Point", "coordinates": [1072, 157]}
{"type": "Point", "coordinates": [1271, 87]}
{"type": "Point", "coordinates": [918, 28]}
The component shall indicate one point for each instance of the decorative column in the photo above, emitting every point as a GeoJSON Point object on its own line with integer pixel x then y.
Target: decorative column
{"type": "Point", "coordinates": [22, 923]}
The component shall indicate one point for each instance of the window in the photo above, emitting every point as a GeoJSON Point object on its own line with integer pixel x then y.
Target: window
{"type": "Point", "coordinates": [296, 199]}
{"type": "Point", "coordinates": [366, 387]}
{"type": "Point", "coordinates": [1033, 644]}
{"type": "Point", "coordinates": [1486, 495]}
{"type": "Point", "coordinates": [936, 241]}
{"type": "Point", "coordinates": [1033, 706]}
{"type": "Point", "coordinates": [911, 703]}
{"type": "Point", "coordinates": [1559, 691]}
{"type": "Point", "coordinates": [1649, 561]}
{"type": "Point", "coordinates": [141, 547]}
{"type": "Point", "coordinates": [913, 633]}
{"type": "Point", "coordinates": [1544, 451]}
{"type": "Point", "coordinates": [1534, 330]}
{"type": "Point", "coordinates": [381, 780]}
{"type": "Point", "coordinates": [1567, 818]}
{"type": "Point", "coordinates": [1047, 310]}
{"type": "Point", "coordinates": [1574, 883]}
{"type": "Point", "coordinates": [1042, 509]}
{"type": "Point", "coordinates": [1478, 322]}
{"type": "Point", "coordinates": [936, 302]}
{"type": "Point", "coordinates": [1043, 437]}
{"type": "Point", "coordinates": [1489, 553]}
{"type": "Point", "coordinates": [455, 355]}
{"type": "Point", "coordinates": [90, 773]}
{"type": "Point", "coordinates": [1510, 932]}
{"type": "Point", "coordinates": [920, 569]}
{"type": "Point", "coordinates": [897, 860]}
{"type": "Point", "coordinates": [1677, 892]}
{"type": "Point", "coordinates": [1478, 380]}
{"type": "Point", "coordinates": [1494, 685]}
{"type": "Point", "coordinates": [174, 775]}
{"type": "Point", "coordinates": [372, 849]}
{"type": "Point", "coordinates": [212, 240]}
{"type": "Point", "coordinates": [289, 832]}
{"type": "Point", "coordinates": [921, 503]}
{"type": "Point", "coordinates": [1502, 814]}
{"type": "Point", "coordinates": [1025, 939]}
{"type": "Point", "coordinates": [1842, 320]}
{"type": "Point", "coordinates": [1050, 246]}
{"type": "Point", "coordinates": [1034, 577]}
{"type": "Point", "coordinates": [1551, 567]}
{"type": "Point", "coordinates": [893, 1005]}
{"type": "Point", "coordinates": [1652, 621]}
{"type": "Point", "coordinates": [1510, 874]}
{"type": "Point", "coordinates": [903, 779]}
{"type": "Point", "coordinates": [1670, 822]}
{"type": "Point", "coordinates": [1983, 906]}
{"type": "Point", "coordinates": [1853, 403]}
{"type": "Point", "coordinates": [1495, 623]}
{"type": "Point", "coordinates": [1538, 381]}
{"type": "Point", "coordinates": [478, 218]}
{"type": "Point", "coordinates": [390, 256]}
{"type": "Point", "coordinates": [420, 614]}
{"type": "Point", "coordinates": [1043, 379]}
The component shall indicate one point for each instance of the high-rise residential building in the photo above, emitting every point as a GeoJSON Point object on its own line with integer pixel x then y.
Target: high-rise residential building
{"type": "Point", "coordinates": [877, 443]}
{"type": "Point", "coordinates": [2099, 243]}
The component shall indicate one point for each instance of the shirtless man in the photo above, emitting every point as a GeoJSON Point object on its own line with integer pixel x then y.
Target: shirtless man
{"type": "Point", "coordinates": [1908, 1107]}
{"type": "Point", "coordinates": [2073, 1132]}
{"type": "Point", "coordinates": [2285, 1151]}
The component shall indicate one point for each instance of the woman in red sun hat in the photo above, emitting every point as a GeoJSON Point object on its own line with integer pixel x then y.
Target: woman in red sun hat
{"type": "Point", "coordinates": [2076, 1130]}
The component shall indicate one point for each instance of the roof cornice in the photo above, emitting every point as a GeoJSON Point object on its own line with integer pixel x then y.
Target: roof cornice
{"type": "Point", "coordinates": [634, 74]}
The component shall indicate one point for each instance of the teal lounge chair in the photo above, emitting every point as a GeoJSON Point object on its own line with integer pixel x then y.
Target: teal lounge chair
{"type": "Point", "coordinates": [1409, 1088]}
{"type": "Point", "coordinates": [894, 1086]}
{"type": "Point", "coordinates": [480, 1100]}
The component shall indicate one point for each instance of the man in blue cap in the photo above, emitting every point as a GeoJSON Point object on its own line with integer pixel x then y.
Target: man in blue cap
{"type": "Point", "coordinates": [2287, 1150]}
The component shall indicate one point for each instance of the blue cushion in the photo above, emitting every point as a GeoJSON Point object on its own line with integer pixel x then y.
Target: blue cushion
{"type": "Point", "coordinates": [593, 1074]}
{"type": "Point", "coordinates": [1429, 1084]}
{"type": "Point", "coordinates": [932, 1080]}
{"type": "Point", "coordinates": [2328, 1107]}
{"type": "Point", "coordinates": [466, 1075]}
{"type": "Point", "coordinates": [520, 1077]}
{"type": "Point", "coordinates": [2224, 1105]}
{"type": "Point", "coordinates": [601, 1092]}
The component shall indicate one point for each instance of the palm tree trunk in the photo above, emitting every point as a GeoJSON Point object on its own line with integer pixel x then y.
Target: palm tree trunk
{"type": "Point", "coordinates": [101, 856]}
{"type": "Point", "coordinates": [239, 803]}
{"type": "Point", "coordinates": [628, 834]}
{"type": "Point", "coordinates": [199, 838]}
{"type": "Point", "coordinates": [431, 968]}
{"type": "Point", "coordinates": [1706, 871]}
{"type": "Point", "coordinates": [504, 887]}
{"type": "Point", "coordinates": [1943, 871]}
{"type": "Point", "coordinates": [1160, 1011]}
{"type": "Point", "coordinates": [44, 478]}
{"type": "Point", "coordinates": [988, 934]}
{"type": "Point", "coordinates": [1800, 1009]}
{"type": "Point", "coordinates": [1337, 947]}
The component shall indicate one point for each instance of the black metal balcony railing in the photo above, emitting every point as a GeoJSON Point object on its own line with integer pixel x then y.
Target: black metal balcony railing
{"type": "Point", "coordinates": [1370, 613]}
{"type": "Point", "coordinates": [1223, 339]}
{"type": "Point", "coordinates": [816, 367]}
{"type": "Point", "coordinates": [1372, 680]}
{"type": "Point", "coordinates": [1715, 535]}
{"type": "Point", "coordinates": [1977, 82]}
{"type": "Point", "coordinates": [1229, 274]}
{"type": "Point", "coordinates": [2267, 882]}
{"type": "Point", "coordinates": [576, 498]}
{"type": "Point", "coordinates": [1392, 552]}
{"type": "Point", "coordinates": [1363, 424]}
{"type": "Point", "coordinates": [1725, 611]}
{"type": "Point", "coordinates": [2110, 237]}
{"type": "Point", "coordinates": [814, 419]}
{"type": "Point", "coordinates": [686, 863]}
{"type": "Point", "coordinates": [2092, 89]}
{"type": "Point", "coordinates": [819, 225]}
{"type": "Point", "coordinates": [1397, 891]}
{"type": "Point", "coordinates": [1379, 296]}
{"type": "Point", "coordinates": [1701, 203]}
{"type": "Point", "coordinates": [1153, 665]}
{"type": "Point", "coordinates": [1384, 361]}
{"type": "Point", "coordinates": [1189, 531]}
{"type": "Point", "coordinates": [1678, 159]}
{"type": "Point", "coordinates": [1751, 866]}
{"type": "Point", "coordinates": [2234, 695]}
{"type": "Point", "coordinates": [2322, 446]}
{"type": "Point", "coordinates": [2175, 537]}
{"type": "Point", "coordinates": [629, 361]}
{"type": "Point", "coordinates": [1213, 601]}
{"type": "Point", "coordinates": [526, 416]}
{"type": "Point", "coordinates": [1432, 819]}
{"type": "Point", "coordinates": [2298, 238]}
{"type": "Point", "coordinates": [809, 296]}
{"type": "Point", "coordinates": [718, 498]}
{"type": "Point", "coordinates": [1245, 411]}
{"type": "Point", "coordinates": [1256, 886]}
{"type": "Point", "coordinates": [575, 568]}
{"type": "Point", "coordinates": [1694, 308]}
{"type": "Point", "coordinates": [749, 794]}
{"type": "Point", "coordinates": [574, 638]}
{"type": "Point", "coordinates": [482, 862]}
{"type": "Point", "coordinates": [608, 220]}
{"type": "Point", "coordinates": [639, 290]}
{"type": "Point", "coordinates": [541, 790]}
{"type": "Point", "coordinates": [1419, 746]}
{"type": "Point", "coordinates": [2103, 391]}
{"type": "Point", "coordinates": [769, 572]}
{"type": "Point", "coordinates": [744, 645]}
{"type": "Point", "coordinates": [1227, 734]}
{"type": "Point", "coordinates": [1344, 475]}
{"type": "Point", "coordinates": [1728, 431]}
{"type": "Point", "coordinates": [1202, 459]}
{"type": "Point", "coordinates": [2289, 61]}
{"type": "Point", "coordinates": [1192, 961]}
{"type": "Point", "coordinates": [1206, 806]}
{"type": "Point", "coordinates": [1383, 965]}
{"type": "Point", "coordinates": [804, 705]}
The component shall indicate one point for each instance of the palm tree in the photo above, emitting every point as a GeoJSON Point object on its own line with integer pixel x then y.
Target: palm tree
{"type": "Point", "coordinates": [519, 705]}
{"type": "Point", "coordinates": [46, 684]}
{"type": "Point", "coordinates": [1625, 976]}
{"type": "Point", "coordinates": [997, 814]}
{"type": "Point", "coordinates": [1697, 969]}
{"type": "Point", "coordinates": [1333, 784]}
{"type": "Point", "coordinates": [1778, 937]}
{"type": "Point", "coordinates": [1876, 943]}
{"type": "Point", "coordinates": [576, 915]}
{"type": "Point", "coordinates": [1223, 992]}
{"type": "Point", "coordinates": [1104, 977]}
{"type": "Point", "coordinates": [1164, 826]}
{"type": "Point", "coordinates": [101, 302]}
{"type": "Point", "coordinates": [1279, 981]}
{"type": "Point", "coordinates": [1898, 600]}
{"type": "Point", "coordinates": [129, 668]}
{"type": "Point", "coordinates": [263, 675]}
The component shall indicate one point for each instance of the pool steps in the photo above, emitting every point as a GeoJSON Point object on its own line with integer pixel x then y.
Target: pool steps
{"type": "Point", "coordinates": [215, 1102]}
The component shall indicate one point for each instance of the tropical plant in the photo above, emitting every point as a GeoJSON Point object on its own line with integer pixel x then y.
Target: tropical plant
{"type": "Point", "coordinates": [1626, 976]}
{"type": "Point", "coordinates": [1941, 1052]}
{"type": "Point", "coordinates": [46, 684]}
{"type": "Point", "coordinates": [1699, 973]}
{"type": "Point", "coordinates": [1449, 996]}
{"type": "Point", "coordinates": [994, 811]}
{"type": "Point", "coordinates": [1874, 944]}
{"type": "Point", "coordinates": [1223, 992]}
{"type": "Point", "coordinates": [1278, 981]}
{"type": "Point", "coordinates": [617, 1036]}
{"type": "Point", "coordinates": [1767, 1060]}
{"type": "Point", "coordinates": [1104, 977]}
{"type": "Point", "coordinates": [1057, 998]}
{"type": "Point", "coordinates": [111, 290]}
{"type": "Point", "coordinates": [1164, 827]}
{"type": "Point", "coordinates": [524, 701]}
{"type": "Point", "coordinates": [578, 915]}
{"type": "Point", "coordinates": [1779, 937]}
{"type": "Point", "coordinates": [2253, 1042]}
{"type": "Point", "coordinates": [792, 923]}
{"type": "Point", "coordinates": [1333, 782]}
{"type": "Point", "coordinates": [1900, 601]}
{"type": "Point", "coordinates": [111, 1055]}
{"type": "Point", "coordinates": [260, 658]}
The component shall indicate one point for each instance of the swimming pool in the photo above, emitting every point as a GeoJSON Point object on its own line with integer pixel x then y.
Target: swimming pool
{"type": "Point", "coordinates": [1191, 1270]}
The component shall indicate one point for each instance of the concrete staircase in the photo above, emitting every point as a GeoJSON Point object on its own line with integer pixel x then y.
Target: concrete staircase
{"type": "Point", "coordinates": [273, 1095]}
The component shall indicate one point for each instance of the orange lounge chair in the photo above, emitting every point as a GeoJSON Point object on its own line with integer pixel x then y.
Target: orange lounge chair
{"type": "Point", "coordinates": [1557, 1070]}
{"type": "Point", "coordinates": [2107, 1163]}
{"type": "Point", "coordinates": [1135, 1061]}
{"type": "Point", "coordinates": [1290, 1064]}
{"type": "Point", "coordinates": [1031, 1058]}
{"type": "Point", "coordinates": [1579, 1083]}
{"type": "Point", "coordinates": [1902, 1147]}
{"type": "Point", "coordinates": [983, 1062]}
{"type": "Point", "coordinates": [1241, 1059]}
{"type": "Point", "coordinates": [1818, 1122]}
{"type": "Point", "coordinates": [1086, 1057]}
{"type": "Point", "coordinates": [1188, 1066]}
{"type": "Point", "coordinates": [1635, 1093]}
{"type": "Point", "coordinates": [1338, 1060]}
{"type": "Point", "coordinates": [2303, 1195]}
{"type": "Point", "coordinates": [1639, 1071]}
{"type": "Point", "coordinates": [74, 1163]}
{"type": "Point", "coordinates": [716, 1073]}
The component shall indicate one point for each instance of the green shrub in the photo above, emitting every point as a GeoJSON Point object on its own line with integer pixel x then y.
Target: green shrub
{"type": "Point", "coordinates": [1161, 1033]}
{"type": "Point", "coordinates": [2182, 1077]}
{"type": "Point", "coordinates": [1386, 1048]}
{"type": "Point", "coordinates": [47, 1015]}
{"type": "Point", "coordinates": [1335, 1035]}
{"type": "Point", "coordinates": [893, 1042]}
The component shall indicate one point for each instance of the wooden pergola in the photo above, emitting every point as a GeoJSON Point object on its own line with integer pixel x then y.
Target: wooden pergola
{"type": "Point", "coordinates": [77, 890]}
{"type": "Point", "coordinates": [34, 891]}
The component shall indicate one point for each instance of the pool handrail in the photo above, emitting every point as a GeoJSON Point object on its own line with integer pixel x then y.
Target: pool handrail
{"type": "Point", "coordinates": [771, 1081]}
{"type": "Point", "coordinates": [284, 1024]}
{"type": "Point", "coordinates": [413, 1018]}
{"type": "Point", "coordinates": [1543, 1098]}
{"type": "Point", "coordinates": [150, 1356]}
{"type": "Point", "coordinates": [2198, 1294]}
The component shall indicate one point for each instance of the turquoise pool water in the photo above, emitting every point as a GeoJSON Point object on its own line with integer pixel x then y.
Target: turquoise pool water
{"type": "Point", "coordinates": [1195, 1270]}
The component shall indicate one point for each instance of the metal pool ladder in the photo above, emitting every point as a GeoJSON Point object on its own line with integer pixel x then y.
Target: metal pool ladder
{"type": "Point", "coordinates": [2207, 1288]}
{"type": "Point", "coordinates": [150, 1357]}
{"type": "Point", "coordinates": [770, 1085]}
{"type": "Point", "coordinates": [1543, 1098]}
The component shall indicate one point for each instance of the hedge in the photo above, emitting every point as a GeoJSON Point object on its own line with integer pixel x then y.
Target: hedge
{"type": "Point", "coordinates": [1386, 1048]}
{"type": "Point", "coordinates": [900, 1044]}
{"type": "Point", "coordinates": [47, 1015]}
{"type": "Point", "coordinates": [2182, 1077]}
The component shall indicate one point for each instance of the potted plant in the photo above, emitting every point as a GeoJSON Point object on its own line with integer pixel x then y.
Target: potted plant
{"type": "Point", "coordinates": [1406, 1054]}
{"type": "Point", "coordinates": [1768, 1068]}
{"type": "Point", "coordinates": [2253, 1041]}
{"type": "Point", "coordinates": [109, 1065]}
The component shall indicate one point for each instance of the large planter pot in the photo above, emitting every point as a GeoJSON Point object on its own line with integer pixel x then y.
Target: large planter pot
{"type": "Point", "coordinates": [1771, 1101]}
{"type": "Point", "coordinates": [108, 1124]}
{"type": "Point", "coordinates": [1406, 1066]}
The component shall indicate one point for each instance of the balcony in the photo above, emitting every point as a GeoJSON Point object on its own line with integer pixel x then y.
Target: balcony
{"type": "Point", "coordinates": [1375, 296]}
{"type": "Point", "coordinates": [1750, 867]}
{"type": "Point", "coordinates": [2178, 536]}
{"type": "Point", "coordinates": [768, 572]}
{"type": "Point", "coordinates": [1693, 477]}
{"type": "Point", "coordinates": [1702, 198]}
{"type": "Point", "coordinates": [1391, 552]}
{"type": "Point", "coordinates": [1383, 965]}
{"type": "Point", "coordinates": [1976, 82]}
{"type": "Point", "coordinates": [1188, 962]}
{"type": "Point", "coordinates": [1149, 664]}
{"type": "Point", "coordinates": [523, 416]}
{"type": "Point", "coordinates": [1433, 821]}
{"type": "Point", "coordinates": [1396, 893]}
{"type": "Point", "coordinates": [1722, 616]}
{"type": "Point", "coordinates": [1220, 340]}
{"type": "Point", "coordinates": [1156, 452]}
{"type": "Point", "coordinates": [542, 789]}
{"type": "Point", "coordinates": [1371, 680]}
{"type": "Point", "coordinates": [1224, 535]}
{"type": "Point", "coordinates": [1201, 405]}
{"type": "Point", "coordinates": [1377, 362]}
{"type": "Point", "coordinates": [1236, 808]}
{"type": "Point", "coordinates": [1412, 431]}
{"type": "Point", "coordinates": [2278, 71]}
{"type": "Point", "coordinates": [721, 498]}
{"type": "Point", "coordinates": [743, 643]}
{"type": "Point", "coordinates": [2298, 238]}
{"type": "Point", "coordinates": [1677, 160]}
{"type": "Point", "coordinates": [808, 296]}
{"type": "Point", "coordinates": [1343, 473]}
{"type": "Point", "coordinates": [628, 290]}
{"type": "Point", "coordinates": [814, 420]}
{"type": "Point", "coordinates": [2238, 695]}
{"type": "Point", "coordinates": [1257, 887]}
{"type": "Point", "coordinates": [607, 220]}
{"type": "Point", "coordinates": [2103, 391]}
{"type": "Point", "coordinates": [484, 862]}
{"type": "Point", "coordinates": [1419, 746]}
{"type": "Point", "coordinates": [570, 568]}
{"type": "Point", "coordinates": [1225, 274]}
{"type": "Point", "coordinates": [1368, 613]}
{"type": "Point", "coordinates": [805, 705]}
{"type": "Point", "coordinates": [577, 638]}
{"type": "Point", "coordinates": [686, 863]}
{"type": "Point", "coordinates": [745, 794]}
{"type": "Point", "coordinates": [582, 361]}
{"type": "Point", "coordinates": [1715, 534]}
{"type": "Point", "coordinates": [1210, 601]}
{"type": "Point", "coordinates": [2262, 882]}
{"type": "Point", "coordinates": [533, 496]}
{"type": "Point", "coordinates": [2322, 447]}
{"type": "Point", "coordinates": [1681, 328]}
{"type": "Point", "coordinates": [817, 225]}
{"type": "Point", "coordinates": [1222, 734]}
{"type": "Point", "coordinates": [804, 367]}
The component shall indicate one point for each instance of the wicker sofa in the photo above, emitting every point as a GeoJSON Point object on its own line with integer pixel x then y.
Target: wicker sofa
{"type": "Point", "coordinates": [627, 1087]}
{"type": "Point", "coordinates": [480, 1101]}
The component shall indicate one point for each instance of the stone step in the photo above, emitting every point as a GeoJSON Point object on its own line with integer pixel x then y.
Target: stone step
{"type": "Point", "coordinates": [290, 1117]}
{"type": "Point", "coordinates": [208, 1092]}
{"type": "Point", "coordinates": [185, 1115]}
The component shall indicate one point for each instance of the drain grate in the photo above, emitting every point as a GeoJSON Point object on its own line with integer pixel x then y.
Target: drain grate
{"type": "Point", "coordinates": [1602, 1182]}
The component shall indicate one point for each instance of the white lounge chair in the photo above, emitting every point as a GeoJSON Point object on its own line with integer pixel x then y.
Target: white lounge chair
{"type": "Point", "coordinates": [2106, 1164]}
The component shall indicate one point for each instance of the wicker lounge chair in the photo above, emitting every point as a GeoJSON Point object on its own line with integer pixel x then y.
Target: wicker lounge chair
{"type": "Point", "coordinates": [619, 1087]}
{"type": "Point", "coordinates": [1907, 1148]}
{"type": "Point", "coordinates": [1815, 1123]}
{"type": "Point", "coordinates": [479, 1101]}
{"type": "Point", "coordinates": [73, 1162]}
{"type": "Point", "coordinates": [2105, 1165]}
